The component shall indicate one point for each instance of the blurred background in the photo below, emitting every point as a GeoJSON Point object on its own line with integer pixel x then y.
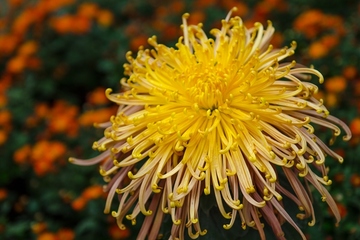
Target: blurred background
{"type": "Point", "coordinates": [57, 57]}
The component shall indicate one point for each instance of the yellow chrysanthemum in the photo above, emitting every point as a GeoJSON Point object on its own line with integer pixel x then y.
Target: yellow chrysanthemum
{"type": "Point", "coordinates": [215, 115]}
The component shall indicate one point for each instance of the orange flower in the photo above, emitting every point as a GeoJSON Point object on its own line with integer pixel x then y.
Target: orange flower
{"type": "Point", "coordinates": [33, 63]}
{"type": "Point", "coordinates": [22, 154]}
{"type": "Point", "coordinates": [59, 123]}
{"type": "Point", "coordinates": [62, 24]}
{"type": "Point", "coordinates": [62, 118]}
{"type": "Point", "coordinates": [116, 233]}
{"type": "Point", "coordinates": [65, 234]}
{"type": "Point", "coordinates": [15, 3]}
{"type": "Point", "coordinates": [355, 180]}
{"type": "Point", "coordinates": [309, 22]}
{"type": "Point", "coordinates": [23, 21]}
{"type": "Point", "coordinates": [355, 126]}
{"type": "Point", "coordinates": [138, 41]}
{"type": "Point", "coordinates": [47, 236]}
{"type": "Point", "coordinates": [3, 136]}
{"type": "Point", "coordinates": [317, 50]}
{"type": "Point", "coordinates": [56, 150]}
{"type": "Point", "coordinates": [8, 44]}
{"type": "Point", "coordinates": [88, 10]}
{"type": "Point", "coordinates": [93, 192]}
{"type": "Point", "coordinates": [105, 18]}
{"type": "Point", "coordinates": [28, 48]}
{"type": "Point", "coordinates": [5, 118]}
{"type": "Point", "coordinates": [3, 100]}
{"type": "Point", "coordinates": [53, 5]}
{"type": "Point", "coordinates": [97, 96]}
{"type": "Point", "coordinates": [170, 32]}
{"type": "Point", "coordinates": [177, 6]}
{"type": "Point", "coordinates": [16, 64]}
{"type": "Point", "coordinates": [38, 227]}
{"type": "Point", "coordinates": [335, 23]}
{"type": "Point", "coordinates": [335, 84]}
{"type": "Point", "coordinates": [43, 155]}
{"type": "Point", "coordinates": [331, 99]}
{"type": "Point", "coordinates": [97, 116]}
{"type": "Point", "coordinates": [42, 167]}
{"type": "Point", "coordinates": [71, 24]}
{"type": "Point", "coordinates": [204, 3]}
{"type": "Point", "coordinates": [78, 204]}
{"type": "Point", "coordinates": [242, 8]}
{"type": "Point", "coordinates": [3, 193]}
{"type": "Point", "coordinates": [330, 41]}
{"type": "Point", "coordinates": [196, 17]}
{"type": "Point", "coordinates": [81, 25]}
{"type": "Point", "coordinates": [277, 40]}
{"type": "Point", "coordinates": [350, 72]}
{"type": "Point", "coordinates": [339, 177]}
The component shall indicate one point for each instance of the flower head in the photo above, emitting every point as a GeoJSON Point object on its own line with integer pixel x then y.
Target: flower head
{"type": "Point", "coordinates": [222, 116]}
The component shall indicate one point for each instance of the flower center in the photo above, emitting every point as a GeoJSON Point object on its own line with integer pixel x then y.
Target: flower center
{"type": "Point", "coordinates": [206, 85]}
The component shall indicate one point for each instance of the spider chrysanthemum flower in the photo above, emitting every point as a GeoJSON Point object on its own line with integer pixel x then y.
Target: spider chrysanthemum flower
{"type": "Point", "coordinates": [221, 116]}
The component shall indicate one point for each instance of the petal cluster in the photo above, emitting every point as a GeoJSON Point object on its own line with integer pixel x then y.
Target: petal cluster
{"type": "Point", "coordinates": [221, 115]}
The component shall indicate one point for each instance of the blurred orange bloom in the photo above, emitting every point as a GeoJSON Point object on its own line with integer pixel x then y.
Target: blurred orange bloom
{"type": "Point", "coordinates": [47, 236]}
{"type": "Point", "coordinates": [350, 72]}
{"type": "Point", "coordinates": [177, 6]}
{"type": "Point", "coordinates": [96, 116]}
{"type": "Point", "coordinates": [317, 50]}
{"type": "Point", "coordinates": [43, 155]}
{"type": "Point", "coordinates": [196, 17]}
{"type": "Point", "coordinates": [138, 41]}
{"type": "Point", "coordinates": [16, 64]}
{"type": "Point", "coordinates": [41, 110]}
{"type": "Point", "coordinates": [334, 22]}
{"type": "Point", "coordinates": [309, 22]}
{"type": "Point", "coordinates": [5, 118]}
{"type": "Point", "coordinates": [116, 233]}
{"type": "Point", "coordinates": [28, 48]}
{"type": "Point", "coordinates": [97, 96]}
{"type": "Point", "coordinates": [23, 21]}
{"type": "Point", "coordinates": [88, 10]}
{"type": "Point", "coordinates": [3, 136]}
{"type": "Point", "coordinates": [65, 234]}
{"type": "Point", "coordinates": [62, 24]}
{"type": "Point", "coordinates": [335, 84]}
{"type": "Point", "coordinates": [105, 18]}
{"type": "Point", "coordinates": [331, 99]}
{"type": "Point", "coordinates": [93, 192]}
{"type": "Point", "coordinates": [62, 118]}
{"type": "Point", "coordinates": [3, 193]}
{"type": "Point", "coordinates": [330, 41]}
{"type": "Point", "coordinates": [242, 8]}
{"type": "Point", "coordinates": [22, 154]}
{"type": "Point", "coordinates": [277, 40]}
{"type": "Point", "coordinates": [81, 25]}
{"type": "Point", "coordinates": [38, 227]}
{"type": "Point", "coordinates": [33, 63]}
{"type": "Point", "coordinates": [52, 5]}
{"type": "Point", "coordinates": [71, 24]}
{"type": "Point", "coordinates": [15, 3]}
{"type": "Point", "coordinates": [355, 180]}
{"type": "Point", "coordinates": [79, 203]}
{"type": "Point", "coordinates": [8, 44]}
{"type": "Point", "coordinates": [205, 3]}
{"type": "Point", "coordinates": [355, 126]}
